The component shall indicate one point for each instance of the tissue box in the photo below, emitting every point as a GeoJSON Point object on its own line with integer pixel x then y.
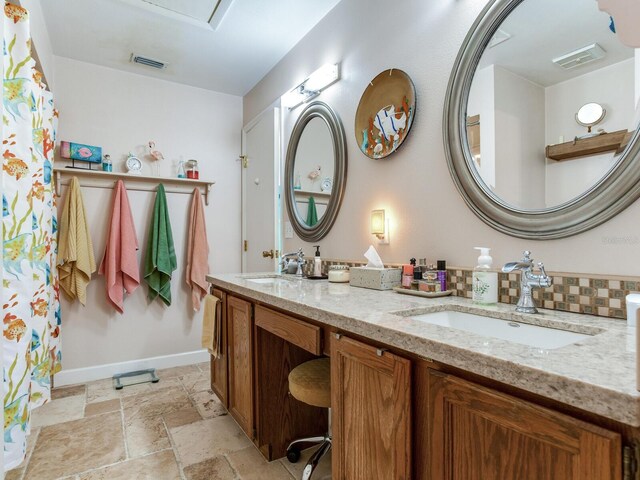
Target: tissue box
{"type": "Point", "coordinates": [375, 278]}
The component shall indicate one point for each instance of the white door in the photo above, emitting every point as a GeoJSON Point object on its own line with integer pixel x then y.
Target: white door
{"type": "Point", "coordinates": [261, 192]}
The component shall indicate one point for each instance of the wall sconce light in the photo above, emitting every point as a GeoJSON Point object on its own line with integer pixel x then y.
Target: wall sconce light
{"type": "Point", "coordinates": [312, 86]}
{"type": "Point", "coordinates": [380, 226]}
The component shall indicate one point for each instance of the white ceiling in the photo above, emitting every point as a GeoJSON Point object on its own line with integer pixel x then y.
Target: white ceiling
{"type": "Point", "coordinates": [251, 38]}
{"type": "Point", "coordinates": [542, 30]}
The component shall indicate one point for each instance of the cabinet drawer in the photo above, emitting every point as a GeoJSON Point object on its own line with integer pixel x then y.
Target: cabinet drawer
{"type": "Point", "coordinates": [297, 332]}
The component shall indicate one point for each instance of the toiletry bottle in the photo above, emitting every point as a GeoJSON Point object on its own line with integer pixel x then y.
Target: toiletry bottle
{"type": "Point", "coordinates": [407, 276]}
{"type": "Point", "coordinates": [485, 282]}
{"type": "Point", "coordinates": [317, 262]}
{"type": "Point", "coordinates": [442, 275]}
{"type": "Point", "coordinates": [417, 274]}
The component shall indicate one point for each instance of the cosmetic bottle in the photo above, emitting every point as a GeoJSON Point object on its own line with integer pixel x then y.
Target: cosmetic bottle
{"type": "Point", "coordinates": [442, 275]}
{"type": "Point", "coordinates": [484, 281]}
{"type": "Point", "coordinates": [407, 276]}
{"type": "Point", "coordinates": [317, 262]}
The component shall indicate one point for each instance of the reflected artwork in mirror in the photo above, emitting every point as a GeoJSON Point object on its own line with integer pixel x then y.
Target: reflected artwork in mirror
{"type": "Point", "coordinates": [516, 146]}
{"type": "Point", "coordinates": [315, 171]}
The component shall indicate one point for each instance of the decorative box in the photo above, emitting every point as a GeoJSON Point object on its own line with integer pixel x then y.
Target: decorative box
{"type": "Point", "coordinates": [375, 278]}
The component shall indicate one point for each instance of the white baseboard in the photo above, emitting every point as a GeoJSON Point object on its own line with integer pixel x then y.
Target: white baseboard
{"type": "Point", "coordinates": [99, 372]}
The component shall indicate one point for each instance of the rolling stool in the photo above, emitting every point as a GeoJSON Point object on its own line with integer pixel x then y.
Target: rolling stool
{"type": "Point", "coordinates": [311, 383]}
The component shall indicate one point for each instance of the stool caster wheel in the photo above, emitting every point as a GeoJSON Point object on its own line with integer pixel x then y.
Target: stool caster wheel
{"type": "Point", "coordinates": [293, 454]}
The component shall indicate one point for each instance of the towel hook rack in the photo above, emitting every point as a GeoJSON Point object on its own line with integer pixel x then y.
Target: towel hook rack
{"type": "Point", "coordinates": [106, 179]}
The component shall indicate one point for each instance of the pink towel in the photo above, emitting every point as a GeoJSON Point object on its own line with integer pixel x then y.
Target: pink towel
{"type": "Point", "coordinates": [120, 263]}
{"type": "Point", "coordinates": [197, 251]}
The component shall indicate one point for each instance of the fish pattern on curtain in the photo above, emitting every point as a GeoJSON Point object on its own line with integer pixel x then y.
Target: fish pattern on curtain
{"type": "Point", "coordinates": [30, 306]}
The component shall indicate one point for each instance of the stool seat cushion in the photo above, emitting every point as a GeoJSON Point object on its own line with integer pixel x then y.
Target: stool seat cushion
{"type": "Point", "coordinates": [310, 382]}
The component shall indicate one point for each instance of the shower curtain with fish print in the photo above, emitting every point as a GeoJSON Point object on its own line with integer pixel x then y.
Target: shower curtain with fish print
{"type": "Point", "coordinates": [30, 306]}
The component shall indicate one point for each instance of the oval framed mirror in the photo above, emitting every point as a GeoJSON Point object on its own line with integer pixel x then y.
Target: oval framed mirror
{"type": "Point", "coordinates": [541, 195]}
{"type": "Point", "coordinates": [315, 171]}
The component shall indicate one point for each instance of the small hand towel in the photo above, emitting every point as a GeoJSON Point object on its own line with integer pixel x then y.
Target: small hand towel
{"type": "Point", "coordinates": [211, 326]}
{"type": "Point", "coordinates": [197, 251]}
{"type": "Point", "coordinates": [312, 213]}
{"type": "Point", "coordinates": [120, 262]}
{"type": "Point", "coordinates": [76, 262]}
{"type": "Point", "coordinates": [160, 257]}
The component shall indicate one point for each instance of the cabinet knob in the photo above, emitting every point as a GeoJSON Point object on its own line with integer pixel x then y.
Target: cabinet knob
{"type": "Point", "coordinates": [268, 253]}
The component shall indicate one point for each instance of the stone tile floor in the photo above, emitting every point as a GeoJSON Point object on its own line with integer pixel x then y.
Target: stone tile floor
{"type": "Point", "coordinates": [175, 429]}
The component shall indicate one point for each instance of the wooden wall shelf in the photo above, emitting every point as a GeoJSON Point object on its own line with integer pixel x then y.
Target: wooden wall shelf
{"type": "Point", "coordinates": [606, 142]}
{"type": "Point", "coordinates": [144, 183]}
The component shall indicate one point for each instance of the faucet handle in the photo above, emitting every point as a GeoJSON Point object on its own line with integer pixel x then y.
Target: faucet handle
{"type": "Point", "coordinates": [527, 257]}
{"type": "Point", "coordinates": [542, 270]}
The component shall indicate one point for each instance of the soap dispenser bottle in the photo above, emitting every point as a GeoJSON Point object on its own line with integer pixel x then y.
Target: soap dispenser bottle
{"type": "Point", "coordinates": [317, 262]}
{"type": "Point", "coordinates": [485, 282]}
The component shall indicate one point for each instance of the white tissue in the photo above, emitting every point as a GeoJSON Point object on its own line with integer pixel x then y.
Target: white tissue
{"type": "Point", "coordinates": [374, 260]}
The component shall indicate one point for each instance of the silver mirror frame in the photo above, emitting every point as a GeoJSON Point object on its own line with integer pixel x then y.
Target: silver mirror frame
{"type": "Point", "coordinates": [618, 189]}
{"type": "Point", "coordinates": [331, 119]}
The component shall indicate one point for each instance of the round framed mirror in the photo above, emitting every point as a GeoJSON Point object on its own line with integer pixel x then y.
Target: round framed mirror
{"type": "Point", "coordinates": [315, 171]}
{"type": "Point", "coordinates": [513, 146]}
{"type": "Point", "coordinates": [590, 114]}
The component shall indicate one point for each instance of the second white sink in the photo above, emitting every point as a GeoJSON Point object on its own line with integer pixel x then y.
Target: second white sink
{"type": "Point", "coordinates": [522, 333]}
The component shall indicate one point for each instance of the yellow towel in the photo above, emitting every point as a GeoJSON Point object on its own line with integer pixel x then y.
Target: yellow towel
{"type": "Point", "coordinates": [75, 250]}
{"type": "Point", "coordinates": [211, 326]}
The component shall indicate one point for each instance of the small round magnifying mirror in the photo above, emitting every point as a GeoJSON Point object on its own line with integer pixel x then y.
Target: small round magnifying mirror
{"type": "Point", "coordinates": [590, 114]}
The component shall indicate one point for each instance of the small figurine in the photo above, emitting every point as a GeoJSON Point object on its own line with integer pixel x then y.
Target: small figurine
{"type": "Point", "coordinates": [155, 153]}
{"type": "Point", "coordinates": [314, 174]}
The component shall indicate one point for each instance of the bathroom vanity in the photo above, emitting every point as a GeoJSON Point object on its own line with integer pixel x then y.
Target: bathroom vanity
{"type": "Point", "coordinates": [430, 388]}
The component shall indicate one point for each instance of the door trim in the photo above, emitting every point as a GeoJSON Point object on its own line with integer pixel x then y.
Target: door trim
{"type": "Point", "coordinates": [273, 109]}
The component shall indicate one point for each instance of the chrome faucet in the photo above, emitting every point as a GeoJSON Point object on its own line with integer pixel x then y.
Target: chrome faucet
{"type": "Point", "coordinates": [528, 280]}
{"type": "Point", "coordinates": [288, 258]}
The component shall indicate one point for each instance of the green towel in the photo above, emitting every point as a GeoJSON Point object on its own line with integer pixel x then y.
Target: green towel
{"type": "Point", "coordinates": [160, 258]}
{"type": "Point", "coordinates": [312, 213]}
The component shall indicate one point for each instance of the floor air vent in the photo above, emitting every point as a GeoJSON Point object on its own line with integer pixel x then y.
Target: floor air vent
{"type": "Point", "coordinates": [149, 62]}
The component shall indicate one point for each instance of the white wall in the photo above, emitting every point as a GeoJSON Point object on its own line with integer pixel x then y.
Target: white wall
{"type": "Point", "coordinates": [519, 140]}
{"type": "Point", "coordinates": [482, 102]}
{"type": "Point", "coordinates": [614, 88]}
{"type": "Point", "coordinates": [429, 217]}
{"type": "Point", "coordinates": [120, 111]}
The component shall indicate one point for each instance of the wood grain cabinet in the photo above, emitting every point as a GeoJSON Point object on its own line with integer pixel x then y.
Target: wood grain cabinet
{"type": "Point", "coordinates": [476, 433]}
{"type": "Point", "coordinates": [371, 401]}
{"type": "Point", "coordinates": [240, 361]}
{"type": "Point", "coordinates": [219, 377]}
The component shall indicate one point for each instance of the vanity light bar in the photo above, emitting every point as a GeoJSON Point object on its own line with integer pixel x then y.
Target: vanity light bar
{"type": "Point", "coordinates": [316, 82]}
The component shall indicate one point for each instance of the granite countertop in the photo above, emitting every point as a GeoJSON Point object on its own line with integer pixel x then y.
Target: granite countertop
{"type": "Point", "coordinates": [596, 374]}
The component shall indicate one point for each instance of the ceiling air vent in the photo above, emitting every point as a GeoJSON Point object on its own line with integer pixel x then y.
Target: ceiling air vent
{"type": "Point", "coordinates": [581, 56]}
{"type": "Point", "coordinates": [149, 62]}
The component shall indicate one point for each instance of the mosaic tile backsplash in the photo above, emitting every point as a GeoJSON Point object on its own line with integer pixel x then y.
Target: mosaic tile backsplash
{"type": "Point", "coordinates": [578, 293]}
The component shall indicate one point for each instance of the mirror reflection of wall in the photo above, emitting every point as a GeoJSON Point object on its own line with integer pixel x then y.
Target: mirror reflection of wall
{"type": "Point", "coordinates": [526, 101]}
{"type": "Point", "coordinates": [314, 163]}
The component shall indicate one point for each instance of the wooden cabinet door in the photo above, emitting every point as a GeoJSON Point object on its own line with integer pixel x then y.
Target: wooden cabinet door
{"type": "Point", "coordinates": [219, 366]}
{"type": "Point", "coordinates": [476, 433]}
{"type": "Point", "coordinates": [240, 351]}
{"type": "Point", "coordinates": [371, 400]}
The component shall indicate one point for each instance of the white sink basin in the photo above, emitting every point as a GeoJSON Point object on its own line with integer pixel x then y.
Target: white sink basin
{"type": "Point", "coordinates": [264, 280]}
{"type": "Point", "coordinates": [267, 279]}
{"type": "Point", "coordinates": [522, 333]}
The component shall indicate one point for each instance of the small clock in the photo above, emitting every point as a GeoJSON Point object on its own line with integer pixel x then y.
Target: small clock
{"type": "Point", "coordinates": [326, 184]}
{"type": "Point", "coordinates": [134, 165]}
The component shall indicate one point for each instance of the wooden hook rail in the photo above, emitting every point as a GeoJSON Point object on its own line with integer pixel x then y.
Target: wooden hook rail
{"type": "Point", "coordinates": [141, 183]}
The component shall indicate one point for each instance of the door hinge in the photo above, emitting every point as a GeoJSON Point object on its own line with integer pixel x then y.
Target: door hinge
{"type": "Point", "coordinates": [630, 455]}
{"type": "Point", "coordinates": [245, 161]}
{"type": "Point", "coordinates": [246, 245]}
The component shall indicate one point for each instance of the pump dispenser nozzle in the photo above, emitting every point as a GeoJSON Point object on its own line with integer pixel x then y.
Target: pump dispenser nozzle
{"type": "Point", "coordinates": [484, 259]}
